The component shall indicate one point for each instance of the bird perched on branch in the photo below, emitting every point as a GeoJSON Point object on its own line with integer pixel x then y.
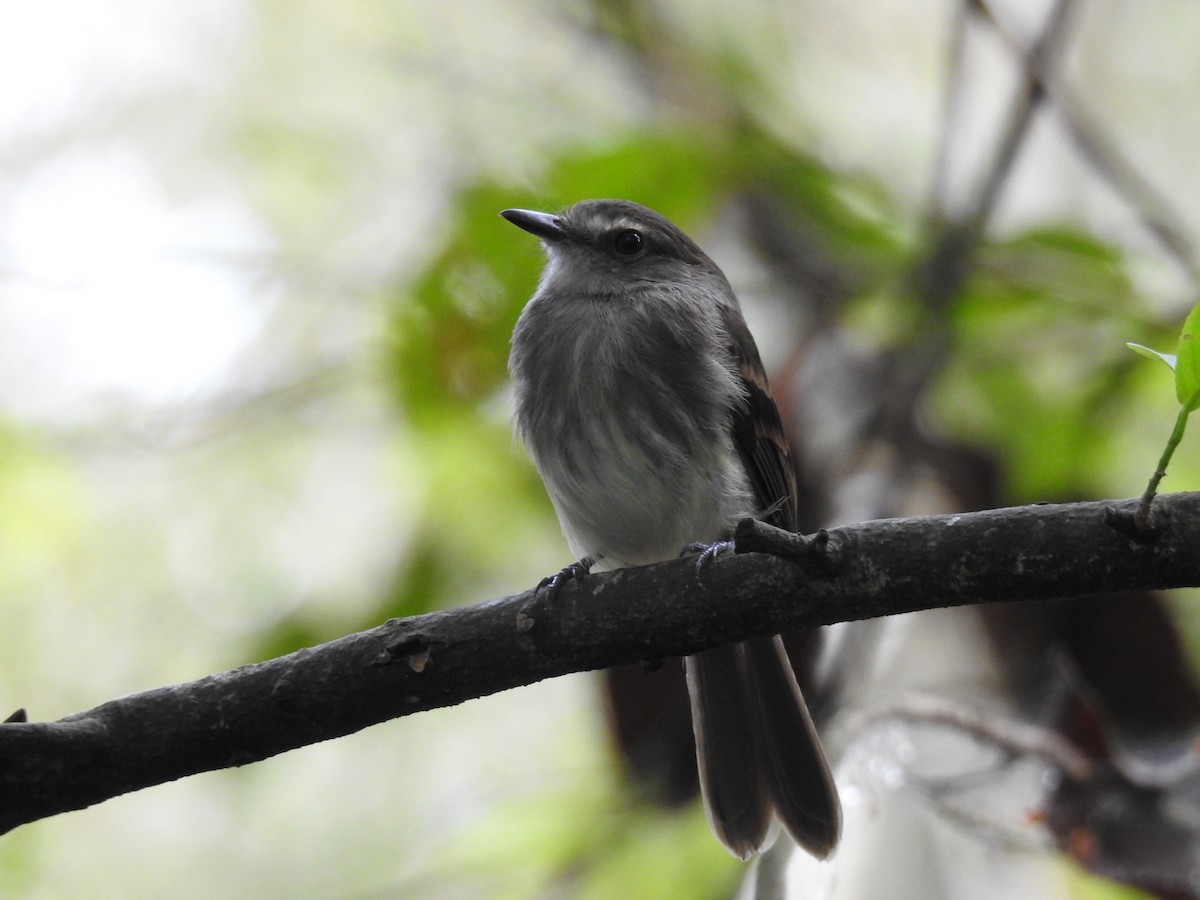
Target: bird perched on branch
{"type": "Point", "coordinates": [643, 401]}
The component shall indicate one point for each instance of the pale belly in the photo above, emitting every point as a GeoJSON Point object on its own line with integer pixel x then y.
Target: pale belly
{"type": "Point", "coordinates": [626, 495]}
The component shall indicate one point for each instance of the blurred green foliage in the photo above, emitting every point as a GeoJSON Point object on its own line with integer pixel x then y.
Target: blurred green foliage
{"type": "Point", "coordinates": [448, 337]}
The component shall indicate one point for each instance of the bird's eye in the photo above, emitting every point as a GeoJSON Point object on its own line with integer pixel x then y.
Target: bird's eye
{"type": "Point", "coordinates": [629, 242]}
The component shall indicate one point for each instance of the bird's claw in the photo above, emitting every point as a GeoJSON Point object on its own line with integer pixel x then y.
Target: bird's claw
{"type": "Point", "coordinates": [552, 584]}
{"type": "Point", "coordinates": [706, 554]}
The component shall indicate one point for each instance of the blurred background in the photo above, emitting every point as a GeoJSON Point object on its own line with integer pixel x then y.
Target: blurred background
{"type": "Point", "coordinates": [255, 303]}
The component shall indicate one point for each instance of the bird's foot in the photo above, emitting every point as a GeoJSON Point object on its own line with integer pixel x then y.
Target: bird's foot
{"type": "Point", "coordinates": [552, 584]}
{"type": "Point", "coordinates": [706, 554]}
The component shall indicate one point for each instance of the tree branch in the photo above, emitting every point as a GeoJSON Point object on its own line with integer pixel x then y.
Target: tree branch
{"type": "Point", "coordinates": [405, 666]}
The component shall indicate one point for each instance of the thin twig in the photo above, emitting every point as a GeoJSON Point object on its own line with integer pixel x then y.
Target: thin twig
{"type": "Point", "coordinates": [1012, 737]}
{"type": "Point", "coordinates": [939, 275]}
{"type": "Point", "coordinates": [952, 99]}
{"type": "Point", "coordinates": [1151, 207]}
{"type": "Point", "coordinates": [1042, 58]}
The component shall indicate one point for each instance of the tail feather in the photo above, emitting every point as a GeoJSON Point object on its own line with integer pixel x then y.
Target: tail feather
{"type": "Point", "coordinates": [758, 751]}
{"type": "Point", "coordinates": [799, 781]}
{"type": "Point", "coordinates": [731, 776]}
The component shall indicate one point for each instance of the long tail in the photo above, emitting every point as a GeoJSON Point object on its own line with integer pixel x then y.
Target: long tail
{"type": "Point", "coordinates": [758, 751]}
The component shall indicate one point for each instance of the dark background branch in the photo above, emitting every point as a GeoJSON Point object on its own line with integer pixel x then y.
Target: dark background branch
{"type": "Point", "coordinates": [443, 658]}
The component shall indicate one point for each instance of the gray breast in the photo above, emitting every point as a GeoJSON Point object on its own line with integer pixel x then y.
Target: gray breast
{"type": "Point", "coordinates": [627, 420]}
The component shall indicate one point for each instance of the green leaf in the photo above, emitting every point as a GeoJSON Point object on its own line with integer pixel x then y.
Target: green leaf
{"type": "Point", "coordinates": [1168, 358]}
{"type": "Point", "coordinates": [1187, 369]}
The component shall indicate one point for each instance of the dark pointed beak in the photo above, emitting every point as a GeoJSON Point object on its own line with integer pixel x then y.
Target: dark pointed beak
{"type": "Point", "coordinates": [546, 226]}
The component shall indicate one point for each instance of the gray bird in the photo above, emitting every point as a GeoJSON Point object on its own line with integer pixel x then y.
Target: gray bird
{"type": "Point", "coordinates": [643, 401]}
